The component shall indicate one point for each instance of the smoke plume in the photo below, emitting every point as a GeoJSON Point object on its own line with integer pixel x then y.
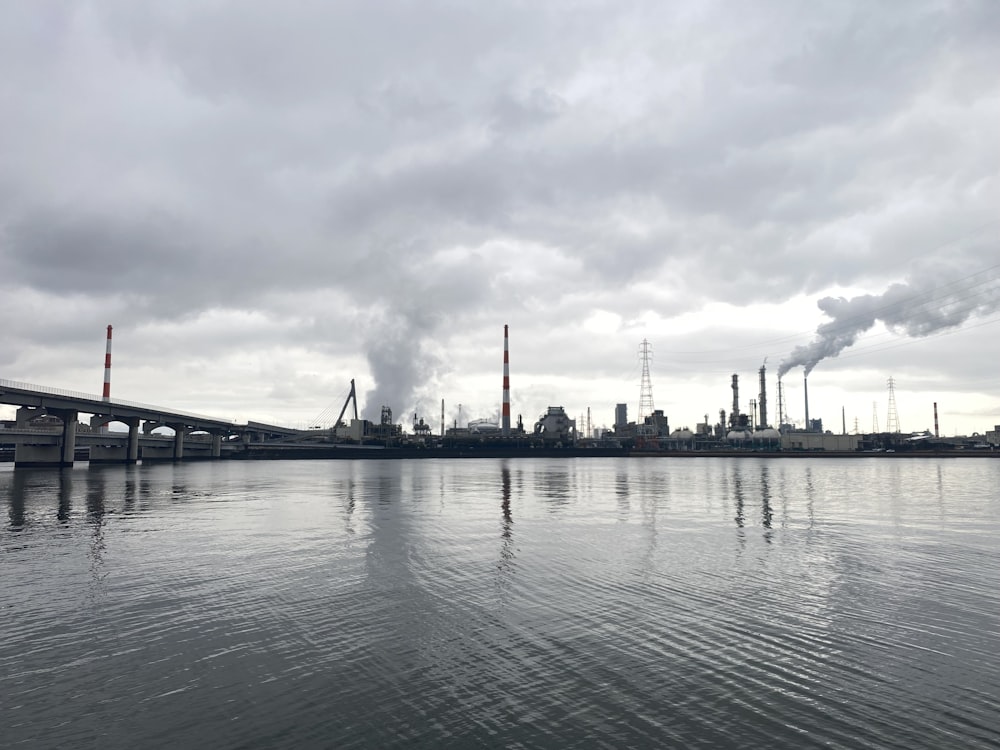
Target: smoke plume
{"type": "Point", "coordinates": [399, 361]}
{"type": "Point", "coordinates": [917, 308]}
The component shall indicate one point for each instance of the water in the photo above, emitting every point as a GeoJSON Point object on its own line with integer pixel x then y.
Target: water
{"type": "Point", "coordinates": [697, 602]}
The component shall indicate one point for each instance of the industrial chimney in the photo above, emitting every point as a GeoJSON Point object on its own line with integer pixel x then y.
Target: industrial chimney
{"type": "Point", "coordinates": [734, 415]}
{"type": "Point", "coordinates": [506, 387]}
{"type": "Point", "coordinates": [107, 369]}
{"type": "Point", "coordinates": [762, 400]}
{"type": "Point", "coordinates": [805, 390]}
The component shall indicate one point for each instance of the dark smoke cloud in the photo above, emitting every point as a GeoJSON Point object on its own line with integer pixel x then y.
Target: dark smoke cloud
{"type": "Point", "coordinates": [918, 308]}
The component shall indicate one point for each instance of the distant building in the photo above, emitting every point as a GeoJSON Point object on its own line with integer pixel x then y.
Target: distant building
{"type": "Point", "coordinates": [656, 424]}
{"type": "Point", "coordinates": [621, 417]}
{"type": "Point", "coordinates": [993, 436]}
{"type": "Point", "coordinates": [556, 426]}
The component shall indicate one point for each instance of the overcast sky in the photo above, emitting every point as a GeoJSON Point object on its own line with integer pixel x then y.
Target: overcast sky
{"type": "Point", "coordinates": [267, 199]}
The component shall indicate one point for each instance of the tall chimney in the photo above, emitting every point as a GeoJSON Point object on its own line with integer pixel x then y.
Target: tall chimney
{"type": "Point", "coordinates": [107, 370]}
{"type": "Point", "coordinates": [935, 421]}
{"type": "Point", "coordinates": [805, 389]}
{"type": "Point", "coordinates": [762, 400]}
{"type": "Point", "coordinates": [734, 415]}
{"type": "Point", "coordinates": [506, 386]}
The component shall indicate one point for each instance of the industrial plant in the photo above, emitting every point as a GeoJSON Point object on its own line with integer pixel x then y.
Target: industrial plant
{"type": "Point", "coordinates": [47, 430]}
{"type": "Point", "coordinates": [737, 431]}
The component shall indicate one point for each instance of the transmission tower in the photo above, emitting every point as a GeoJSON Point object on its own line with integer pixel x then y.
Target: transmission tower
{"type": "Point", "coordinates": [892, 420]}
{"type": "Point", "coordinates": [874, 417]}
{"type": "Point", "coordinates": [646, 387]}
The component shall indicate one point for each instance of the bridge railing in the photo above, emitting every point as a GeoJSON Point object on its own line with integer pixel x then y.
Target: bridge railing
{"type": "Point", "coordinates": [112, 402]}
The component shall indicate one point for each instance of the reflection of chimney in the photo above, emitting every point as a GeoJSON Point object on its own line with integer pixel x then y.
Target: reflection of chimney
{"type": "Point", "coordinates": [506, 386]}
{"type": "Point", "coordinates": [805, 389]}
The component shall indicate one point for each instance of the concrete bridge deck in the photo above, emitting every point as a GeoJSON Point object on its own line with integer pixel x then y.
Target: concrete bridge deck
{"type": "Point", "coordinates": [55, 444]}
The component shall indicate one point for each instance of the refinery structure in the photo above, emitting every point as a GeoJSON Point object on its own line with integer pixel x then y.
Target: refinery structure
{"type": "Point", "coordinates": [738, 429]}
{"type": "Point", "coordinates": [48, 432]}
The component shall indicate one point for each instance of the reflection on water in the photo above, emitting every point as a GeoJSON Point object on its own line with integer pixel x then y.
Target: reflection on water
{"type": "Point", "coordinates": [388, 604]}
{"type": "Point", "coordinates": [505, 565]}
{"type": "Point", "coordinates": [622, 495]}
{"type": "Point", "coordinates": [765, 498]}
{"type": "Point", "coordinates": [16, 496]}
{"type": "Point", "coordinates": [96, 490]}
{"type": "Point", "coordinates": [738, 494]}
{"type": "Point", "coordinates": [65, 478]}
{"type": "Point", "coordinates": [554, 487]}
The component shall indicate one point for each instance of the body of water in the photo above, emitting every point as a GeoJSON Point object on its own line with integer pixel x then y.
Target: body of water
{"type": "Point", "coordinates": [535, 603]}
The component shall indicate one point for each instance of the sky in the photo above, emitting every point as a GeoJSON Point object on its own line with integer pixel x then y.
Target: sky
{"type": "Point", "coordinates": [268, 199]}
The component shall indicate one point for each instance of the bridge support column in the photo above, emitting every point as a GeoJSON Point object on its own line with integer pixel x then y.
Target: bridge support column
{"type": "Point", "coordinates": [116, 451]}
{"type": "Point", "coordinates": [69, 419]}
{"type": "Point", "coordinates": [48, 454]}
{"type": "Point", "coordinates": [132, 456]}
{"type": "Point", "coordinates": [179, 430]}
{"type": "Point", "coordinates": [216, 445]}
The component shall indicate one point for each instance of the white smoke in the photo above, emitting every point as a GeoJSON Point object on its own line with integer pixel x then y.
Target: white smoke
{"type": "Point", "coordinates": [399, 361]}
{"type": "Point", "coordinates": [918, 308]}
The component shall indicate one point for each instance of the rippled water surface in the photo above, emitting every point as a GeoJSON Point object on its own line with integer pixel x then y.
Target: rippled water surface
{"type": "Point", "coordinates": [697, 602]}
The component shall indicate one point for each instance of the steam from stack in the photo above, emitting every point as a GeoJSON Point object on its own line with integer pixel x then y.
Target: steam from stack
{"type": "Point", "coordinates": [918, 308]}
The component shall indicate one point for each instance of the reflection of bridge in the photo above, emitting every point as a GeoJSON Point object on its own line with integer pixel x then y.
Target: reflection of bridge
{"type": "Point", "coordinates": [54, 442]}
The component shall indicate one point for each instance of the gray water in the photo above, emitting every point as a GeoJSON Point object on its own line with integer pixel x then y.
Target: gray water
{"type": "Point", "coordinates": [696, 602]}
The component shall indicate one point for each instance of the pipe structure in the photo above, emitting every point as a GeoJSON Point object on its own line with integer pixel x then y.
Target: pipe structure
{"type": "Point", "coordinates": [805, 390]}
{"type": "Point", "coordinates": [506, 386]}
{"type": "Point", "coordinates": [107, 369]}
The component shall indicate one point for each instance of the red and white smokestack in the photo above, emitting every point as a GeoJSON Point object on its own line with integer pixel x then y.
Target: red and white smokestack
{"type": "Point", "coordinates": [107, 370]}
{"type": "Point", "coordinates": [506, 386]}
{"type": "Point", "coordinates": [935, 421]}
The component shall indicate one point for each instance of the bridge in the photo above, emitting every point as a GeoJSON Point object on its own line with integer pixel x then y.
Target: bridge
{"type": "Point", "coordinates": [47, 429]}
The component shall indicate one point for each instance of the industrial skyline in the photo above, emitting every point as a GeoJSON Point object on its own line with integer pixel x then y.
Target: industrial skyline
{"type": "Point", "coordinates": [267, 210]}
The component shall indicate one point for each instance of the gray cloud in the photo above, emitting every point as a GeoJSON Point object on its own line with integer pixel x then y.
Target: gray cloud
{"type": "Point", "coordinates": [375, 179]}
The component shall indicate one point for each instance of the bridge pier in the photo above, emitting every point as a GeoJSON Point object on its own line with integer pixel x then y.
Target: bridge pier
{"type": "Point", "coordinates": [46, 453]}
{"type": "Point", "coordinates": [133, 440]}
{"type": "Point", "coordinates": [116, 454]}
{"type": "Point", "coordinates": [179, 430]}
